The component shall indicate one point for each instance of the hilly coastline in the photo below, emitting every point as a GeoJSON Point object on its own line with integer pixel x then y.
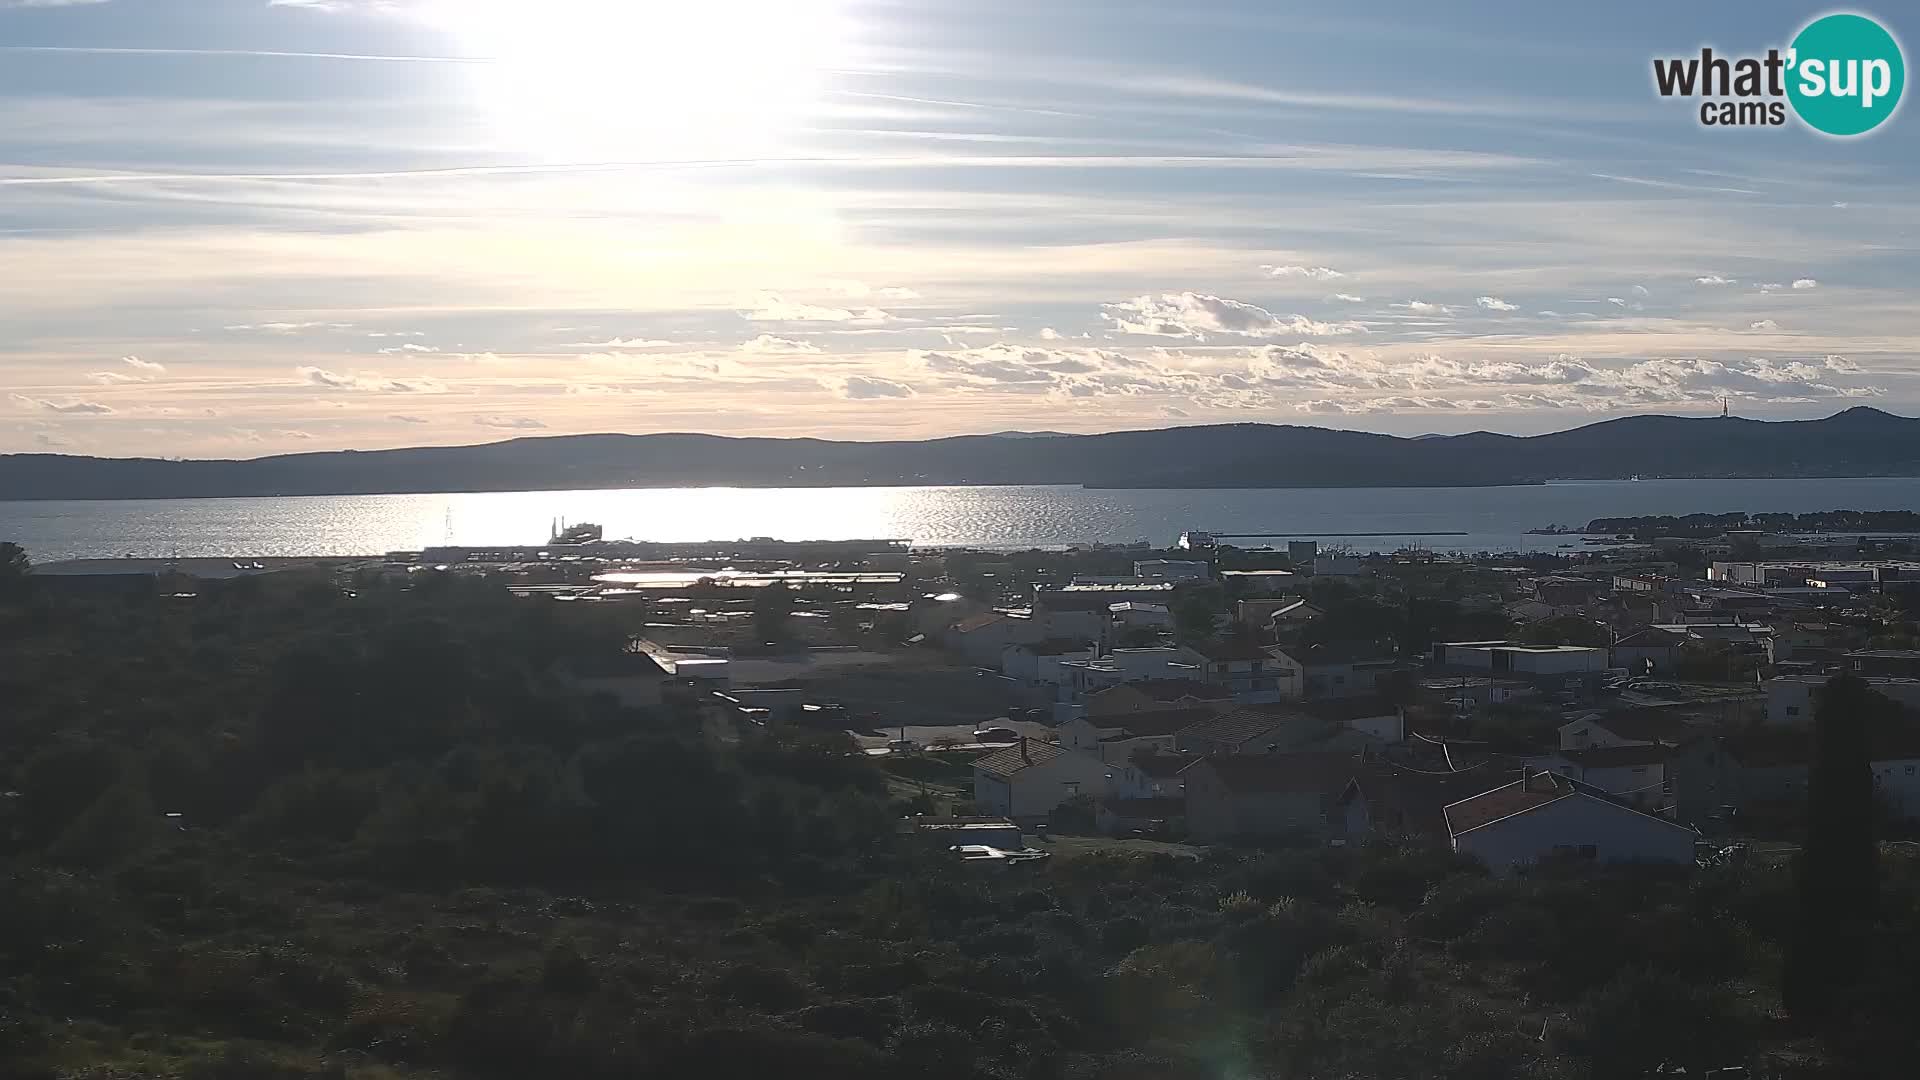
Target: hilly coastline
{"type": "Point", "coordinates": [1857, 442]}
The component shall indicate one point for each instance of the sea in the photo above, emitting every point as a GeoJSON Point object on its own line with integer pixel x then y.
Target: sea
{"type": "Point", "coordinates": [1475, 519]}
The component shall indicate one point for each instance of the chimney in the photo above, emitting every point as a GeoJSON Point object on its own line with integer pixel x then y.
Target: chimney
{"type": "Point", "coordinates": [1023, 750]}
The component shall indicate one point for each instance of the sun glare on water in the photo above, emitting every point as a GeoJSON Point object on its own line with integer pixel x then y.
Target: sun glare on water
{"type": "Point", "coordinates": [649, 79]}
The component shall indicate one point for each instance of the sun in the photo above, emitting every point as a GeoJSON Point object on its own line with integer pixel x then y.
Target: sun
{"type": "Point", "coordinates": [649, 79]}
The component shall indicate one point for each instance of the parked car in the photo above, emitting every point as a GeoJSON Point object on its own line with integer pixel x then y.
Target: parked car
{"type": "Point", "coordinates": [996, 734]}
{"type": "Point", "coordinates": [901, 745]}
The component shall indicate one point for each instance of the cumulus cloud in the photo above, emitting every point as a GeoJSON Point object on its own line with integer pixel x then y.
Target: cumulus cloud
{"type": "Point", "coordinates": [1195, 315]}
{"type": "Point", "coordinates": [621, 343]}
{"type": "Point", "coordinates": [1617, 301]}
{"type": "Point", "coordinates": [1421, 307]}
{"type": "Point", "coordinates": [1349, 298]}
{"type": "Point", "coordinates": [1766, 326]}
{"type": "Point", "coordinates": [1312, 273]}
{"type": "Point", "coordinates": [509, 423]}
{"type": "Point", "coordinates": [373, 384]}
{"type": "Point", "coordinates": [768, 343]}
{"type": "Point", "coordinates": [68, 407]}
{"type": "Point", "coordinates": [1714, 279]}
{"type": "Point", "coordinates": [409, 347]}
{"type": "Point", "coordinates": [1494, 303]}
{"type": "Point", "coordinates": [145, 367]}
{"type": "Point", "coordinates": [1641, 290]}
{"type": "Point", "coordinates": [771, 307]}
{"type": "Point", "coordinates": [1805, 283]}
{"type": "Point", "coordinates": [1048, 333]}
{"type": "Point", "coordinates": [866, 387]}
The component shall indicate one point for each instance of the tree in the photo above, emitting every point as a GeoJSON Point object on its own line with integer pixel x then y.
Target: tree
{"type": "Point", "coordinates": [772, 607]}
{"type": "Point", "coordinates": [1838, 871]}
{"type": "Point", "coordinates": [1193, 619]}
{"type": "Point", "coordinates": [14, 568]}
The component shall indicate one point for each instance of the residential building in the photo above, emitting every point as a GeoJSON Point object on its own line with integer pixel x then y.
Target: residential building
{"type": "Point", "coordinates": [633, 678]}
{"type": "Point", "coordinates": [1794, 638]}
{"type": "Point", "coordinates": [1149, 775]}
{"type": "Point", "coordinates": [1375, 717]}
{"type": "Point", "coordinates": [1338, 566]}
{"type": "Point", "coordinates": [1171, 570]}
{"type": "Point", "coordinates": [1566, 591]}
{"type": "Point", "coordinates": [1635, 774]}
{"type": "Point", "coordinates": [1135, 615]}
{"type": "Point", "coordinates": [1253, 729]}
{"type": "Point", "coordinates": [1248, 670]}
{"type": "Point", "coordinates": [1335, 670]}
{"type": "Point", "coordinates": [1118, 738]}
{"type": "Point", "coordinates": [1150, 694]}
{"type": "Point", "coordinates": [1546, 816]}
{"type": "Point", "coordinates": [1763, 774]}
{"type": "Point", "coordinates": [1792, 699]}
{"type": "Point", "coordinates": [1261, 582]}
{"type": "Point", "coordinates": [1537, 662]}
{"type": "Point", "coordinates": [1029, 780]}
{"type": "Point", "coordinates": [1884, 663]}
{"type": "Point", "coordinates": [1040, 663]}
{"type": "Point", "coordinates": [1397, 801]}
{"type": "Point", "coordinates": [1637, 727]}
{"type": "Point", "coordinates": [1269, 795]}
{"type": "Point", "coordinates": [1648, 649]}
{"type": "Point", "coordinates": [982, 638]}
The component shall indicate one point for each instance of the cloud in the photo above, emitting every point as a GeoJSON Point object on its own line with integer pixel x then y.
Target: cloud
{"type": "Point", "coordinates": [1714, 279]}
{"type": "Point", "coordinates": [147, 366]}
{"type": "Point", "coordinates": [1617, 301]}
{"type": "Point", "coordinates": [621, 343]}
{"type": "Point", "coordinates": [864, 387]}
{"type": "Point", "coordinates": [1195, 315]}
{"type": "Point", "coordinates": [112, 378]}
{"type": "Point", "coordinates": [509, 423]}
{"type": "Point", "coordinates": [373, 384]}
{"type": "Point", "coordinates": [768, 343]}
{"type": "Point", "coordinates": [409, 347]}
{"type": "Point", "coordinates": [1421, 307]}
{"type": "Point", "coordinates": [1642, 290]}
{"type": "Point", "coordinates": [286, 328]}
{"type": "Point", "coordinates": [403, 418]}
{"type": "Point", "coordinates": [1349, 298]}
{"type": "Point", "coordinates": [1764, 325]}
{"type": "Point", "coordinates": [1494, 303]}
{"type": "Point", "coordinates": [771, 307]}
{"type": "Point", "coordinates": [69, 407]}
{"type": "Point", "coordinates": [1048, 333]}
{"type": "Point", "coordinates": [1770, 286]}
{"type": "Point", "coordinates": [1805, 283]}
{"type": "Point", "coordinates": [1313, 273]}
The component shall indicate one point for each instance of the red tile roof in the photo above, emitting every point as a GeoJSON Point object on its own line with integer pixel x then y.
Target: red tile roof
{"type": "Point", "coordinates": [1025, 754]}
{"type": "Point", "coordinates": [984, 619]}
{"type": "Point", "coordinates": [1175, 689]}
{"type": "Point", "coordinates": [1303, 772]}
{"type": "Point", "coordinates": [1618, 757]}
{"type": "Point", "coordinates": [1151, 723]}
{"type": "Point", "coordinates": [1537, 790]}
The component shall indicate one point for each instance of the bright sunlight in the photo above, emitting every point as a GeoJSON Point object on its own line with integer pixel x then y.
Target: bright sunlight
{"type": "Point", "coordinates": [650, 79]}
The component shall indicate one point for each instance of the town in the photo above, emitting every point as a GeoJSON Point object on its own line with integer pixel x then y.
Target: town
{"type": "Point", "coordinates": [1076, 807]}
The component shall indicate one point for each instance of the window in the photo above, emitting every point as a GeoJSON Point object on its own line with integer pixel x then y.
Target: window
{"type": "Point", "coordinates": [1909, 770]}
{"type": "Point", "coordinates": [1072, 789]}
{"type": "Point", "coordinates": [1793, 710]}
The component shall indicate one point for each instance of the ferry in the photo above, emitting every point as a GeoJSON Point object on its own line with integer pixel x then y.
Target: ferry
{"type": "Point", "coordinates": [568, 535]}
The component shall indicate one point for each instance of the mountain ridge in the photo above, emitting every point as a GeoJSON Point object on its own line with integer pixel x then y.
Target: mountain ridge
{"type": "Point", "coordinates": [1861, 441]}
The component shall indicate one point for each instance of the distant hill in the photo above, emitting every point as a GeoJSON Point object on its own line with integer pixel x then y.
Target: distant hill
{"type": "Point", "coordinates": [1857, 442]}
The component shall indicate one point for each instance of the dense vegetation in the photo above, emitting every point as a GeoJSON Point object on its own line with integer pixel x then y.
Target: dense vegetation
{"type": "Point", "coordinates": [1715, 524]}
{"type": "Point", "coordinates": [402, 851]}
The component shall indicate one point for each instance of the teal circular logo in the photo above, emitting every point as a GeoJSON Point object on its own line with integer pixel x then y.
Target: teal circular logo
{"type": "Point", "coordinates": [1845, 74]}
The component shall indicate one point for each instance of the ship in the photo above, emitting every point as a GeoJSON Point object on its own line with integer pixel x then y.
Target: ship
{"type": "Point", "coordinates": [570, 535]}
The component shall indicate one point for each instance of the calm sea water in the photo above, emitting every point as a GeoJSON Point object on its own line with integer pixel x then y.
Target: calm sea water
{"type": "Point", "coordinates": [1492, 519]}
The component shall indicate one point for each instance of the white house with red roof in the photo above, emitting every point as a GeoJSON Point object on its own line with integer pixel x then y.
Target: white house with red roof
{"type": "Point", "coordinates": [1546, 816]}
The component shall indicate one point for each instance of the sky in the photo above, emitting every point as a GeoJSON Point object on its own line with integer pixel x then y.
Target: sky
{"type": "Point", "coordinates": [231, 228]}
